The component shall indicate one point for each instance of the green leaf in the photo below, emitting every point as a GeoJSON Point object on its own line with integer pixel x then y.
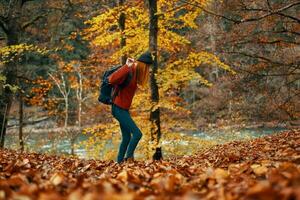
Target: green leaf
{"type": "Point", "coordinates": [2, 78]}
{"type": "Point", "coordinates": [13, 88]}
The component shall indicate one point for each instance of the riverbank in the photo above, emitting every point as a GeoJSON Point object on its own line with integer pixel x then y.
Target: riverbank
{"type": "Point", "coordinates": [263, 168]}
{"type": "Point", "coordinates": [226, 125]}
{"type": "Point", "coordinates": [184, 142]}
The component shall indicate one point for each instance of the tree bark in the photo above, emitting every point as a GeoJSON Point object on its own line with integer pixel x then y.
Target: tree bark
{"type": "Point", "coordinates": [66, 112]}
{"type": "Point", "coordinates": [155, 110]}
{"type": "Point", "coordinates": [79, 97]}
{"type": "Point", "coordinates": [3, 124]}
{"type": "Point", "coordinates": [122, 19]}
{"type": "Point", "coordinates": [21, 141]}
{"type": "Point", "coordinates": [73, 146]}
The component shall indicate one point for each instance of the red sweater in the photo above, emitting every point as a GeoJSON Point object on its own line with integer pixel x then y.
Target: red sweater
{"type": "Point", "coordinates": [125, 96]}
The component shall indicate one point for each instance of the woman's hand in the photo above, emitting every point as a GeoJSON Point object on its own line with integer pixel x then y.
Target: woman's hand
{"type": "Point", "coordinates": [130, 62]}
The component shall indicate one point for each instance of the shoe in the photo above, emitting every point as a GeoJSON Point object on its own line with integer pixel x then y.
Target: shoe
{"type": "Point", "coordinates": [130, 160]}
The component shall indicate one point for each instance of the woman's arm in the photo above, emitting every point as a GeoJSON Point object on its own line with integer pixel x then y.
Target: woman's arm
{"type": "Point", "coordinates": [119, 76]}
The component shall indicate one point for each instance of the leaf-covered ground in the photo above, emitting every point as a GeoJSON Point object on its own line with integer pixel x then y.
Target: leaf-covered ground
{"type": "Point", "coordinates": [264, 168]}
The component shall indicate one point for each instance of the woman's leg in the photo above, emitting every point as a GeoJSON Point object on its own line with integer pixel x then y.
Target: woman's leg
{"type": "Point", "coordinates": [127, 122]}
{"type": "Point", "coordinates": [116, 112]}
{"type": "Point", "coordinates": [124, 143]}
{"type": "Point", "coordinates": [136, 136]}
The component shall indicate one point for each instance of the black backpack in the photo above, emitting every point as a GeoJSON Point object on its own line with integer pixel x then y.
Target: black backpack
{"type": "Point", "coordinates": [106, 90]}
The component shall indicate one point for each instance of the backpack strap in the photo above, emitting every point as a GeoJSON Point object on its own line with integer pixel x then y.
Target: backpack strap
{"type": "Point", "coordinates": [116, 91]}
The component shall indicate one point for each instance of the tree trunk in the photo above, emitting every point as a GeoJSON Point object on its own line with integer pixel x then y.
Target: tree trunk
{"type": "Point", "coordinates": [3, 123]}
{"type": "Point", "coordinates": [73, 146]}
{"type": "Point", "coordinates": [79, 110]}
{"type": "Point", "coordinates": [10, 73]}
{"type": "Point", "coordinates": [155, 111]}
{"type": "Point", "coordinates": [122, 19]}
{"type": "Point", "coordinates": [12, 32]}
{"type": "Point", "coordinates": [66, 111]}
{"type": "Point", "coordinates": [80, 101]}
{"type": "Point", "coordinates": [65, 94]}
{"type": "Point", "coordinates": [21, 141]}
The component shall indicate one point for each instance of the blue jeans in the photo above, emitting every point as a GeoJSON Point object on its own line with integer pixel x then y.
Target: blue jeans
{"type": "Point", "coordinates": [128, 127]}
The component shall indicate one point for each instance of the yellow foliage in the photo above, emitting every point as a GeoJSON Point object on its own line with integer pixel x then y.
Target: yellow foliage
{"type": "Point", "coordinates": [2, 78]}
{"type": "Point", "coordinates": [104, 33]}
{"type": "Point", "coordinates": [182, 71]}
{"type": "Point", "coordinates": [12, 52]}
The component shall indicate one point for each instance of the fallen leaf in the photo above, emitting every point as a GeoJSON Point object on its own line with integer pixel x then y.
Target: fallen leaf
{"type": "Point", "coordinates": [57, 178]}
{"type": "Point", "coordinates": [259, 170]}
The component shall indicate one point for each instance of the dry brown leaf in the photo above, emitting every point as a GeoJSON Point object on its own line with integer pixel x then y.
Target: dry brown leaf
{"type": "Point", "coordinates": [259, 170]}
{"type": "Point", "coordinates": [123, 176]}
{"type": "Point", "coordinates": [222, 172]}
{"type": "Point", "coordinates": [57, 178]}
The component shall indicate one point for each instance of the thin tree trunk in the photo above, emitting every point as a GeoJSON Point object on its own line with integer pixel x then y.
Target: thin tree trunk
{"type": "Point", "coordinates": [79, 112]}
{"type": "Point", "coordinates": [122, 19]}
{"type": "Point", "coordinates": [230, 103]}
{"type": "Point", "coordinates": [66, 111]}
{"type": "Point", "coordinates": [73, 146]}
{"type": "Point", "coordinates": [6, 101]}
{"type": "Point", "coordinates": [3, 125]}
{"type": "Point", "coordinates": [65, 93]}
{"type": "Point", "coordinates": [155, 111]}
{"type": "Point", "coordinates": [80, 97]}
{"type": "Point", "coordinates": [79, 94]}
{"type": "Point", "coordinates": [21, 141]}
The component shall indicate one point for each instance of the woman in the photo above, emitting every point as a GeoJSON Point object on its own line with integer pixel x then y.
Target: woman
{"type": "Point", "coordinates": [123, 100]}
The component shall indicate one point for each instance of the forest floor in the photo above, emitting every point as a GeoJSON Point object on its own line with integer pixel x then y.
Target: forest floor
{"type": "Point", "coordinates": [264, 168]}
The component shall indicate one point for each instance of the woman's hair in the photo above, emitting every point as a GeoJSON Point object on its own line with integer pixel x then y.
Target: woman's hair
{"type": "Point", "coordinates": [142, 73]}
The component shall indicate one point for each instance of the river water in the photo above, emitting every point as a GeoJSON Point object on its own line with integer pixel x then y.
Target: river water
{"type": "Point", "coordinates": [56, 144]}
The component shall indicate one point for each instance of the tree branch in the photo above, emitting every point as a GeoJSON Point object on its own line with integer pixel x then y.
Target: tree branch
{"type": "Point", "coordinates": [32, 21]}
{"type": "Point", "coordinates": [3, 24]}
{"type": "Point", "coordinates": [294, 32]}
{"type": "Point", "coordinates": [62, 91]}
{"type": "Point", "coordinates": [24, 1]}
{"type": "Point", "coordinates": [267, 60]}
{"type": "Point", "coordinates": [269, 5]}
{"type": "Point", "coordinates": [292, 73]}
{"type": "Point", "coordinates": [254, 56]}
{"type": "Point", "coordinates": [269, 12]}
{"type": "Point", "coordinates": [70, 4]}
{"type": "Point", "coordinates": [289, 16]}
{"type": "Point", "coordinates": [272, 12]}
{"type": "Point", "coordinates": [253, 41]}
{"type": "Point", "coordinates": [210, 12]}
{"type": "Point", "coordinates": [258, 33]}
{"type": "Point", "coordinates": [24, 78]}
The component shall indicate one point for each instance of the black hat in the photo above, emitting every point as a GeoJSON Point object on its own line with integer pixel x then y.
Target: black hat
{"type": "Point", "coordinates": [146, 58]}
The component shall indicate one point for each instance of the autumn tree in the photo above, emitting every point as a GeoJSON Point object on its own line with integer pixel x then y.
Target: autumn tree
{"type": "Point", "coordinates": [53, 24]}
{"type": "Point", "coordinates": [18, 20]}
{"type": "Point", "coordinates": [16, 55]}
{"type": "Point", "coordinates": [11, 28]}
{"type": "Point", "coordinates": [178, 59]}
{"type": "Point", "coordinates": [259, 40]}
{"type": "Point", "coordinates": [155, 112]}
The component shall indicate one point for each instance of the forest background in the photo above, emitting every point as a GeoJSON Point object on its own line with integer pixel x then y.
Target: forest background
{"type": "Point", "coordinates": [221, 64]}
